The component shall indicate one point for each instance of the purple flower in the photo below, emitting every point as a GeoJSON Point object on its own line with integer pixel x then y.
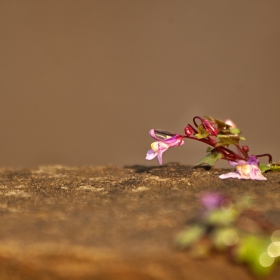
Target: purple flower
{"type": "Point", "coordinates": [211, 200]}
{"type": "Point", "coordinates": [165, 140]}
{"type": "Point", "coordinates": [245, 170]}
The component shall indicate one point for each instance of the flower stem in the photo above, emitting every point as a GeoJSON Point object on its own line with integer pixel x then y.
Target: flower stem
{"type": "Point", "coordinates": [196, 117]}
{"type": "Point", "coordinates": [227, 153]}
{"type": "Point", "coordinates": [266, 155]}
{"type": "Point", "coordinates": [242, 152]}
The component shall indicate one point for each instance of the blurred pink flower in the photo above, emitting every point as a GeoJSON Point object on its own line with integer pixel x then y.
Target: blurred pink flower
{"type": "Point", "coordinates": [211, 200]}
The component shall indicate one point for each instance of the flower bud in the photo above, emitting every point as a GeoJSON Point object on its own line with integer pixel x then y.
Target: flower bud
{"type": "Point", "coordinates": [245, 149]}
{"type": "Point", "coordinates": [209, 127]}
{"type": "Point", "coordinates": [231, 123]}
{"type": "Point", "coordinates": [189, 130]}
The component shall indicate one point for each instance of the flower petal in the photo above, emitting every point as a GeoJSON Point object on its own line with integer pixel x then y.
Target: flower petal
{"type": "Point", "coordinates": [151, 154]}
{"type": "Point", "coordinates": [160, 135]}
{"type": "Point", "coordinates": [230, 175]}
{"type": "Point", "coordinates": [244, 170]}
{"type": "Point", "coordinates": [253, 160]}
{"type": "Point", "coordinates": [256, 174]}
{"type": "Point", "coordinates": [174, 141]}
{"type": "Point", "coordinates": [153, 135]}
{"type": "Point", "coordinates": [233, 163]}
{"type": "Point", "coordinates": [160, 152]}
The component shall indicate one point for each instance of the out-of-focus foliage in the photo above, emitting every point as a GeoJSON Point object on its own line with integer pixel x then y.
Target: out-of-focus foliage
{"type": "Point", "coordinates": [243, 234]}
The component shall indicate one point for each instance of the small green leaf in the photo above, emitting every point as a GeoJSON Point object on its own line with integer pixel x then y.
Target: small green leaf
{"type": "Point", "coordinates": [202, 133]}
{"type": "Point", "coordinates": [275, 167]}
{"type": "Point", "coordinates": [227, 140]}
{"type": "Point", "coordinates": [187, 237]}
{"type": "Point", "coordinates": [211, 158]}
{"type": "Point", "coordinates": [225, 236]}
{"type": "Point", "coordinates": [264, 167]}
{"type": "Point", "coordinates": [251, 249]}
{"type": "Point", "coordinates": [201, 136]}
{"type": "Point", "coordinates": [235, 130]}
{"type": "Point", "coordinates": [209, 149]}
{"type": "Point", "coordinates": [219, 217]}
{"type": "Point", "coordinates": [242, 138]}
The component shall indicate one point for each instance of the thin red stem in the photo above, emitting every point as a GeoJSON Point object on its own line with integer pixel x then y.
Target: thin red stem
{"type": "Point", "coordinates": [266, 155]}
{"type": "Point", "coordinates": [227, 153]}
{"type": "Point", "coordinates": [196, 117]}
{"type": "Point", "coordinates": [230, 155]}
{"type": "Point", "coordinates": [245, 154]}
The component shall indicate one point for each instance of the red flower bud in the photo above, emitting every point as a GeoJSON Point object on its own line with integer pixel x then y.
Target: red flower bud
{"type": "Point", "coordinates": [245, 149]}
{"type": "Point", "coordinates": [189, 130]}
{"type": "Point", "coordinates": [209, 127]}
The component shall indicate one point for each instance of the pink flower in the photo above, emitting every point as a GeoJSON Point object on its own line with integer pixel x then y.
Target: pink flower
{"type": "Point", "coordinates": [245, 170]}
{"type": "Point", "coordinates": [211, 200]}
{"type": "Point", "coordinates": [165, 140]}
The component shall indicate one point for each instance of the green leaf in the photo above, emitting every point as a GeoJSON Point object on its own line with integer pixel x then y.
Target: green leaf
{"type": "Point", "coordinates": [226, 140]}
{"type": "Point", "coordinates": [187, 237]}
{"type": "Point", "coordinates": [201, 136]}
{"type": "Point", "coordinates": [264, 167]}
{"type": "Point", "coordinates": [275, 167]}
{"type": "Point", "coordinates": [224, 237]}
{"type": "Point", "coordinates": [202, 133]}
{"type": "Point", "coordinates": [250, 250]}
{"type": "Point", "coordinates": [219, 217]}
{"type": "Point", "coordinates": [211, 158]}
{"type": "Point", "coordinates": [209, 149]}
{"type": "Point", "coordinates": [242, 138]}
{"type": "Point", "coordinates": [235, 130]}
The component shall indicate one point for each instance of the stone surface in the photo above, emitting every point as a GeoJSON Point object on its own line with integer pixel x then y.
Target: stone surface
{"type": "Point", "coordinates": [114, 223]}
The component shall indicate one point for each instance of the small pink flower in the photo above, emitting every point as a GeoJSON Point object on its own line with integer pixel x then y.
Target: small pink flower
{"type": "Point", "coordinates": [165, 140]}
{"type": "Point", "coordinates": [245, 170]}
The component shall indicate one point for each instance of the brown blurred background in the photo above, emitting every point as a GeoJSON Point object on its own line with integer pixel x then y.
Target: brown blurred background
{"type": "Point", "coordinates": [82, 82]}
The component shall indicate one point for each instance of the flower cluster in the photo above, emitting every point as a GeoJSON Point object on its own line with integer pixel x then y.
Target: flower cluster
{"type": "Point", "coordinates": [218, 135]}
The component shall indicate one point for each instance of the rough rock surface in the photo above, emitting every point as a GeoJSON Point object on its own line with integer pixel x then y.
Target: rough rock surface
{"type": "Point", "coordinates": [114, 223]}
